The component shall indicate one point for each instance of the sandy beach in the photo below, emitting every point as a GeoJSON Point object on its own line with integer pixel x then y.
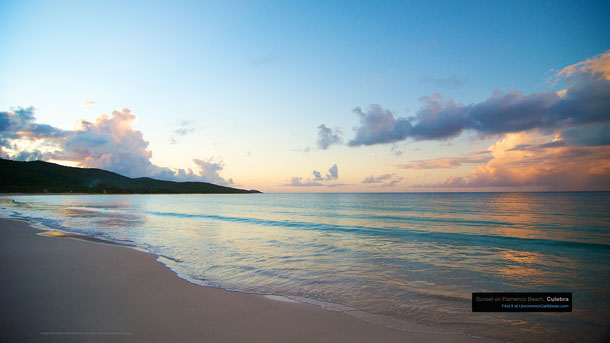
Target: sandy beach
{"type": "Point", "coordinates": [66, 289]}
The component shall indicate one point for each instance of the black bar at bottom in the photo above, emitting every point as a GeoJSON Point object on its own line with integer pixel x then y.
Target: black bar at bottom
{"type": "Point", "coordinates": [522, 302]}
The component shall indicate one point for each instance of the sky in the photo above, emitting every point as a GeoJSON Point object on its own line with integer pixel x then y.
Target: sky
{"type": "Point", "coordinates": [312, 96]}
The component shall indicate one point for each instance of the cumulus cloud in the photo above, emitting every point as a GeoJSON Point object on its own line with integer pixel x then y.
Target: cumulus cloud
{"type": "Point", "coordinates": [317, 176]}
{"type": "Point", "coordinates": [527, 159]}
{"type": "Point", "coordinates": [553, 141]}
{"type": "Point", "coordinates": [385, 180]}
{"type": "Point", "coordinates": [584, 101]}
{"type": "Point", "coordinates": [109, 143]}
{"type": "Point", "coordinates": [333, 174]}
{"type": "Point", "coordinates": [450, 82]}
{"type": "Point", "coordinates": [327, 137]}
{"type": "Point", "coordinates": [445, 162]}
{"type": "Point", "coordinates": [19, 124]}
{"type": "Point", "coordinates": [209, 172]}
{"type": "Point", "coordinates": [378, 125]}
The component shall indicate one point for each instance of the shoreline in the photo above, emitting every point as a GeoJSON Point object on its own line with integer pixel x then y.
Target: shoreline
{"type": "Point", "coordinates": [406, 192]}
{"type": "Point", "coordinates": [64, 289]}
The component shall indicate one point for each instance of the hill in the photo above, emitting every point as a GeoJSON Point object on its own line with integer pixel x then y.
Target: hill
{"type": "Point", "coordinates": [41, 177]}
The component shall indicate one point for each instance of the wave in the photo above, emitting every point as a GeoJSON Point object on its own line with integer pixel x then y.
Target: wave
{"type": "Point", "coordinates": [451, 238]}
{"type": "Point", "coordinates": [411, 219]}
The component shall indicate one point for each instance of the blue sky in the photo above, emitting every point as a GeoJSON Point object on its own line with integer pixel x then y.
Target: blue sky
{"type": "Point", "coordinates": [252, 80]}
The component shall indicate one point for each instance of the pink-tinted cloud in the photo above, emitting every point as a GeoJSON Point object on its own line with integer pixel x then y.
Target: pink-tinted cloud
{"type": "Point", "coordinates": [597, 64]}
{"type": "Point", "coordinates": [209, 172]}
{"type": "Point", "coordinates": [377, 179]}
{"type": "Point", "coordinates": [385, 180]}
{"type": "Point", "coordinates": [317, 180]}
{"type": "Point", "coordinates": [525, 159]}
{"type": "Point", "coordinates": [445, 162]}
{"type": "Point", "coordinates": [297, 181]}
{"type": "Point", "coordinates": [109, 143]}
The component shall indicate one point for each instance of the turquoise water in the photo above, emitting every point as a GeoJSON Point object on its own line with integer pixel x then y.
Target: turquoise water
{"type": "Point", "coordinates": [394, 259]}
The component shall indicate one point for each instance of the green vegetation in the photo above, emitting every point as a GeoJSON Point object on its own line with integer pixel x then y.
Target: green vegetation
{"type": "Point", "coordinates": [42, 177]}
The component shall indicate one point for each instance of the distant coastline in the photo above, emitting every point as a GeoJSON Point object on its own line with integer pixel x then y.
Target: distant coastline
{"type": "Point", "coordinates": [44, 178]}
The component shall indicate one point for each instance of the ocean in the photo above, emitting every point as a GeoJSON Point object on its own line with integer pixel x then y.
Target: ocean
{"type": "Point", "coordinates": [404, 260]}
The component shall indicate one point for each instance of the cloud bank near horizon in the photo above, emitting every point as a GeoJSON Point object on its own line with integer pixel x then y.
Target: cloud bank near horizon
{"type": "Point", "coordinates": [317, 180]}
{"type": "Point", "coordinates": [445, 162]}
{"type": "Point", "coordinates": [557, 139]}
{"type": "Point", "coordinates": [526, 159]}
{"type": "Point", "coordinates": [109, 143]}
{"type": "Point", "coordinates": [564, 145]}
{"type": "Point", "coordinates": [385, 180]}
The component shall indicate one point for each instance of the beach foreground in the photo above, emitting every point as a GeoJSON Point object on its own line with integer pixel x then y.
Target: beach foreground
{"type": "Point", "coordinates": [63, 289]}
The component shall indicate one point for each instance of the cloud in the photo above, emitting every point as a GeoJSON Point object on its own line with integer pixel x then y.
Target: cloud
{"type": "Point", "coordinates": [208, 171]}
{"type": "Point", "coordinates": [584, 101]}
{"type": "Point", "coordinates": [327, 137]}
{"type": "Point", "coordinates": [597, 64]}
{"type": "Point", "coordinates": [477, 152]}
{"type": "Point", "coordinates": [377, 179]}
{"type": "Point", "coordinates": [19, 124]}
{"type": "Point", "coordinates": [296, 181]}
{"type": "Point", "coordinates": [30, 156]}
{"type": "Point", "coordinates": [185, 127]}
{"type": "Point", "coordinates": [109, 143]}
{"type": "Point", "coordinates": [450, 82]}
{"type": "Point", "coordinates": [445, 162]}
{"type": "Point", "coordinates": [378, 125]}
{"type": "Point", "coordinates": [590, 135]}
{"type": "Point", "coordinates": [88, 103]}
{"type": "Point", "coordinates": [392, 182]}
{"type": "Point", "coordinates": [333, 185]}
{"type": "Point", "coordinates": [333, 174]}
{"type": "Point", "coordinates": [386, 180]}
{"type": "Point", "coordinates": [527, 159]}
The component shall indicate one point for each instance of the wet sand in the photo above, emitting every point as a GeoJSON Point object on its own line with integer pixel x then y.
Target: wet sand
{"type": "Point", "coordinates": [58, 289]}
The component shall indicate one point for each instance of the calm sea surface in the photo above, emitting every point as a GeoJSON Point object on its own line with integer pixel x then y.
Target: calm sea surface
{"type": "Point", "coordinates": [409, 261]}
